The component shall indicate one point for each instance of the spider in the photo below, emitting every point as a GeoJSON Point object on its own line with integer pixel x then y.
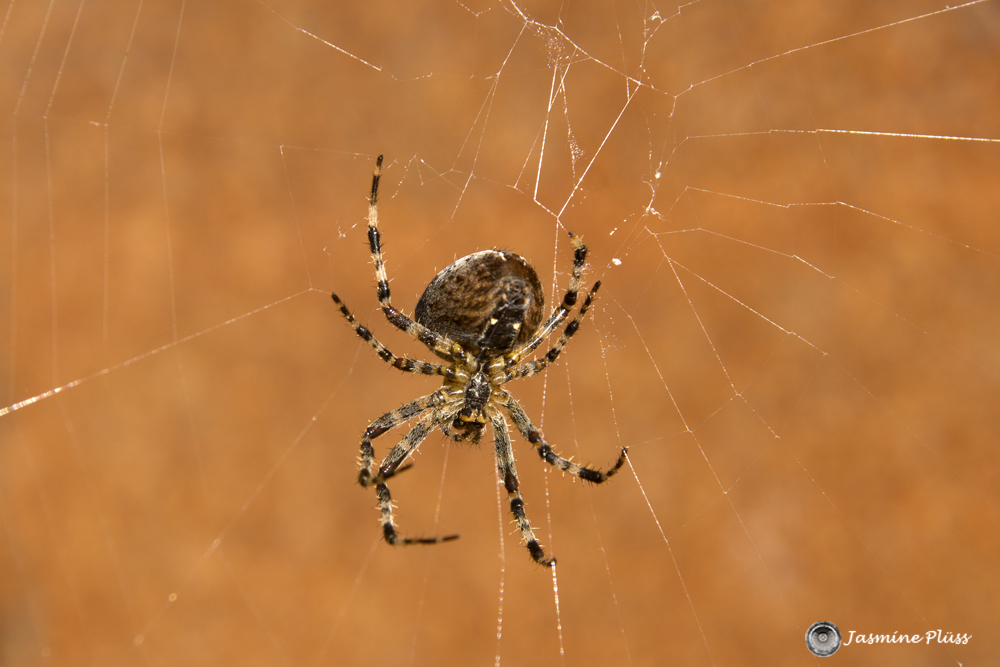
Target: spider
{"type": "Point", "coordinates": [481, 315]}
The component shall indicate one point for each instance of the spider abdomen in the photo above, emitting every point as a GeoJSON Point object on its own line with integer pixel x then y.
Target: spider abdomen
{"type": "Point", "coordinates": [490, 301]}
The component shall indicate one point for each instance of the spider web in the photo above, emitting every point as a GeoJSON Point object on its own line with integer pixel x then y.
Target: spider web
{"type": "Point", "coordinates": [792, 208]}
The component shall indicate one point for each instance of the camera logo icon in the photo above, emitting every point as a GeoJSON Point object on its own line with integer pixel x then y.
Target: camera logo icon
{"type": "Point", "coordinates": [823, 639]}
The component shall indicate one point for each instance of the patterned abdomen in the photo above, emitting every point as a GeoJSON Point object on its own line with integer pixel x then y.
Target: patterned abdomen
{"type": "Point", "coordinates": [490, 301]}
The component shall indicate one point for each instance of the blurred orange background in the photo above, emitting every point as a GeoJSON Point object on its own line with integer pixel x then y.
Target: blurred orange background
{"type": "Point", "coordinates": [792, 206]}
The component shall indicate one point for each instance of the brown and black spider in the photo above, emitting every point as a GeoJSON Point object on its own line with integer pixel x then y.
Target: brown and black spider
{"type": "Point", "coordinates": [481, 315]}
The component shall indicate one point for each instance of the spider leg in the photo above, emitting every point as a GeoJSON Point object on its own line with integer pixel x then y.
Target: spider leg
{"type": "Point", "coordinates": [391, 466]}
{"type": "Point", "coordinates": [538, 365]}
{"type": "Point", "coordinates": [438, 344]}
{"type": "Point", "coordinates": [402, 363]}
{"type": "Point", "coordinates": [534, 436]}
{"type": "Point", "coordinates": [560, 312]}
{"type": "Point", "coordinates": [402, 450]}
{"type": "Point", "coordinates": [507, 472]}
{"type": "Point", "coordinates": [387, 422]}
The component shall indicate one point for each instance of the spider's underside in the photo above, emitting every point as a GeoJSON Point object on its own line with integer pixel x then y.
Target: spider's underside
{"type": "Point", "coordinates": [482, 316]}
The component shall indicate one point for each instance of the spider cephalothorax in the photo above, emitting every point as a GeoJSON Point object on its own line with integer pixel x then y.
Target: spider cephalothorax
{"type": "Point", "coordinates": [483, 316]}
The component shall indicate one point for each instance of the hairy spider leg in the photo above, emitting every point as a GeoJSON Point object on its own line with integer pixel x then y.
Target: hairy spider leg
{"type": "Point", "coordinates": [560, 312]}
{"type": "Point", "coordinates": [538, 365]}
{"type": "Point", "coordinates": [385, 423]}
{"type": "Point", "coordinates": [508, 474]}
{"type": "Point", "coordinates": [535, 437]}
{"type": "Point", "coordinates": [390, 466]}
{"type": "Point", "coordinates": [440, 345]}
{"type": "Point", "coordinates": [402, 363]}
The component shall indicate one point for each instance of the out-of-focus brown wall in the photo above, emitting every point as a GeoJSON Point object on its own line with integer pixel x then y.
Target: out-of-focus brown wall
{"type": "Point", "coordinates": [796, 335]}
